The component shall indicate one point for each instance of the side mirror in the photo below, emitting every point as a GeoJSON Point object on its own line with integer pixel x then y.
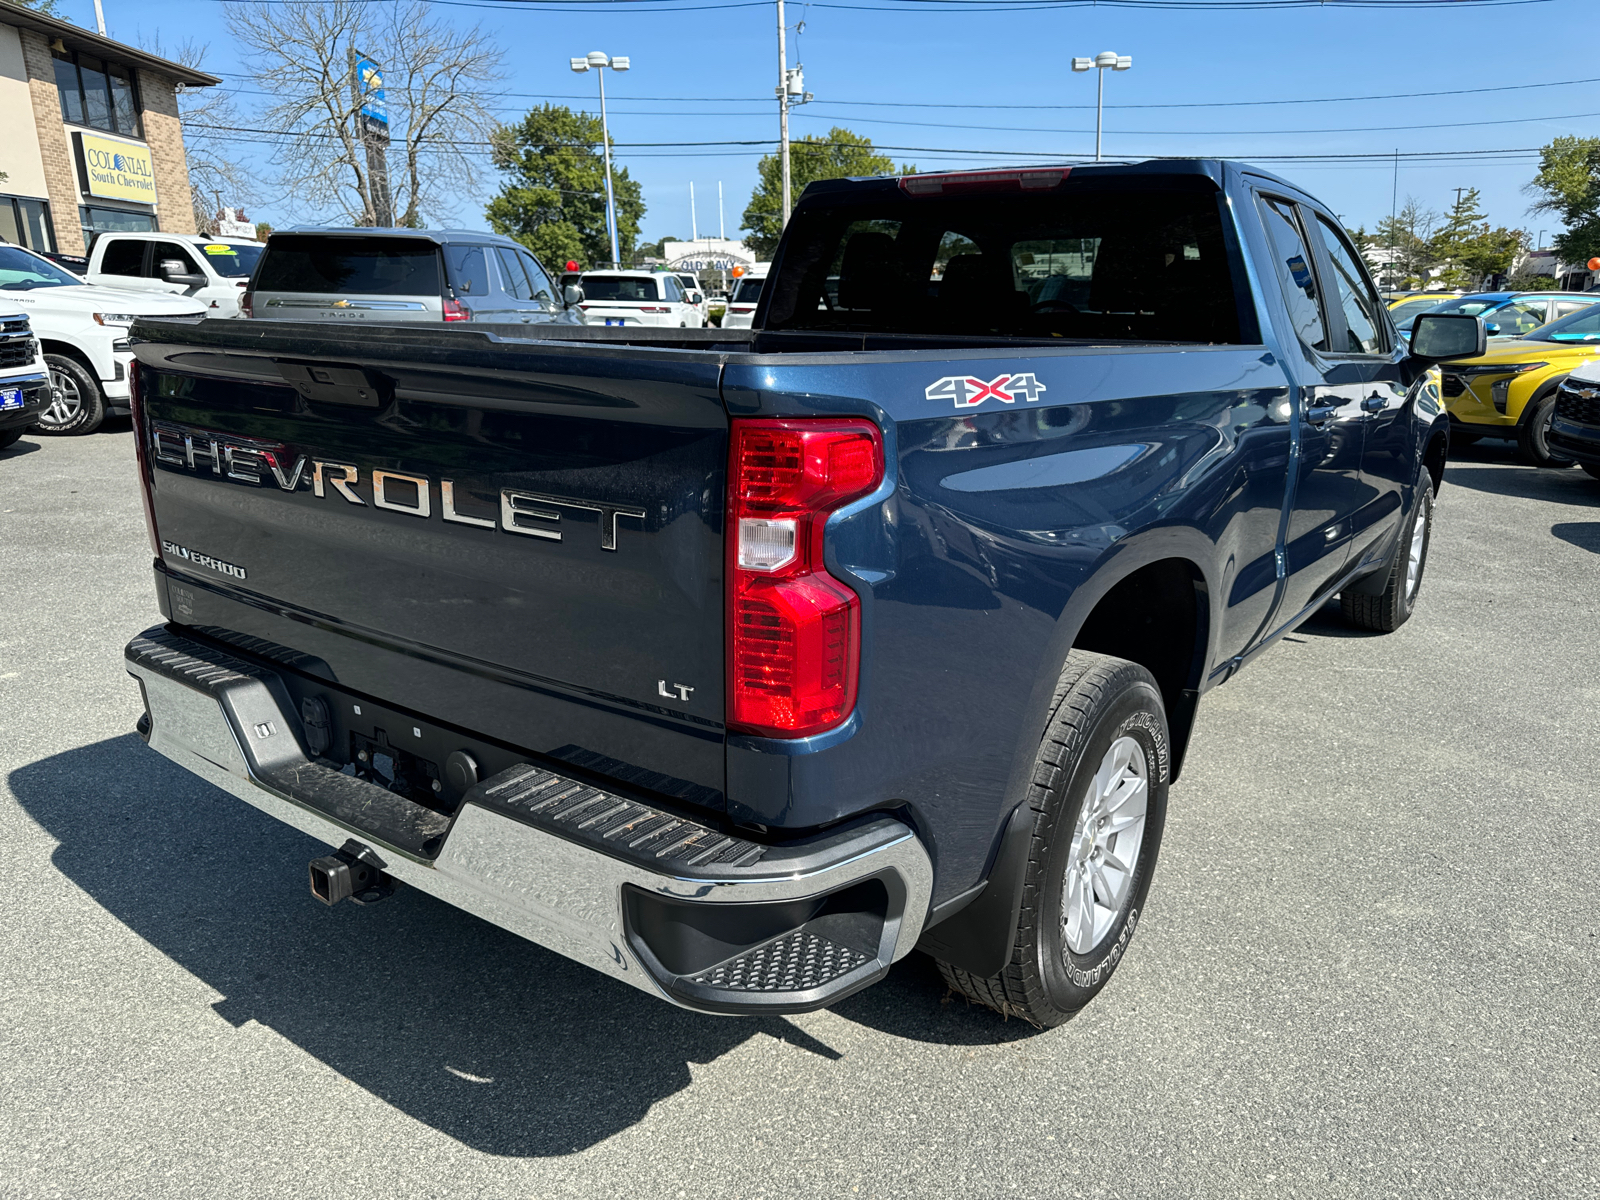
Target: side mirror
{"type": "Point", "coordinates": [176, 271]}
{"type": "Point", "coordinates": [572, 294]}
{"type": "Point", "coordinates": [1443, 337]}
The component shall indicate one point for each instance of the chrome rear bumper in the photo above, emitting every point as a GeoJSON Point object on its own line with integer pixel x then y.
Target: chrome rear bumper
{"type": "Point", "coordinates": [704, 919]}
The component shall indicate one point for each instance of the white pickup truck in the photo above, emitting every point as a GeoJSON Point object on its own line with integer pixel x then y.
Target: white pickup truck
{"type": "Point", "coordinates": [84, 333]}
{"type": "Point", "coordinates": [24, 385]}
{"type": "Point", "coordinates": [213, 271]}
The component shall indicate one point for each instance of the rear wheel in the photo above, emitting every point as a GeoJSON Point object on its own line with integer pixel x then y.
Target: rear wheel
{"type": "Point", "coordinates": [1533, 444]}
{"type": "Point", "coordinates": [1098, 801]}
{"type": "Point", "coordinates": [1392, 608]}
{"type": "Point", "coordinates": [76, 404]}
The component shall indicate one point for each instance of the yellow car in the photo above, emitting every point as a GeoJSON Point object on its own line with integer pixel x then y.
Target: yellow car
{"type": "Point", "coordinates": [1511, 391]}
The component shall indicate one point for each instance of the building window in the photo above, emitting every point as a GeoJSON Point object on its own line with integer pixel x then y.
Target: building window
{"type": "Point", "coordinates": [98, 94]}
{"type": "Point", "coordinates": [96, 218]}
{"type": "Point", "coordinates": [27, 223]}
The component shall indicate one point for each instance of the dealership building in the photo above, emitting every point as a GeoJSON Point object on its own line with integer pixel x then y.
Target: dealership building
{"type": "Point", "coordinates": [103, 148]}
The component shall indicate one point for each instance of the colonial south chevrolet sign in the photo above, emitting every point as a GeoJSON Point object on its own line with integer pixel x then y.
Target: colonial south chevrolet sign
{"type": "Point", "coordinates": [116, 170]}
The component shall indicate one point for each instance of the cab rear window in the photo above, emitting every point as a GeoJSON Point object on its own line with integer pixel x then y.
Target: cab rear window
{"type": "Point", "coordinates": [1107, 260]}
{"type": "Point", "coordinates": [612, 287]}
{"type": "Point", "coordinates": [355, 266]}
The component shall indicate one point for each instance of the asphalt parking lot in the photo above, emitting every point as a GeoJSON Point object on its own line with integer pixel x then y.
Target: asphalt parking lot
{"type": "Point", "coordinates": [1368, 967]}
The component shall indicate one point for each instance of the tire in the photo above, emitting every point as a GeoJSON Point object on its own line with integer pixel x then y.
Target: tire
{"type": "Point", "coordinates": [1592, 470]}
{"type": "Point", "coordinates": [77, 405]}
{"type": "Point", "coordinates": [8, 437]}
{"type": "Point", "coordinates": [1532, 446]}
{"type": "Point", "coordinates": [1104, 749]}
{"type": "Point", "coordinates": [1392, 608]}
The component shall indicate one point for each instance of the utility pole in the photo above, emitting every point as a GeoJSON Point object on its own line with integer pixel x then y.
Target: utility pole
{"type": "Point", "coordinates": [1394, 201]}
{"type": "Point", "coordinates": [722, 228]}
{"type": "Point", "coordinates": [694, 221]}
{"type": "Point", "coordinates": [783, 108]}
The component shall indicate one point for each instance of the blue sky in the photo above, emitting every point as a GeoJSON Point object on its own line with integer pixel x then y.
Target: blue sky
{"type": "Point", "coordinates": [719, 68]}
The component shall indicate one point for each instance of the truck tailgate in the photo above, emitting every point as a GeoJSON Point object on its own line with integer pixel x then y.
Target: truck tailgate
{"type": "Point", "coordinates": [522, 540]}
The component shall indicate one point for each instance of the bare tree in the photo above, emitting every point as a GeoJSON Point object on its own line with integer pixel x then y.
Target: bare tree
{"type": "Point", "coordinates": [436, 78]}
{"type": "Point", "coordinates": [217, 177]}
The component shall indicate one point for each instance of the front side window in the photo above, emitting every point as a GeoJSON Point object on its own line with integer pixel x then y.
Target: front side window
{"type": "Point", "coordinates": [511, 272]}
{"type": "Point", "coordinates": [1517, 318]}
{"type": "Point", "coordinates": [543, 289]}
{"type": "Point", "coordinates": [166, 252]}
{"type": "Point", "coordinates": [1295, 273]}
{"type": "Point", "coordinates": [231, 261]}
{"type": "Point", "coordinates": [1356, 297]}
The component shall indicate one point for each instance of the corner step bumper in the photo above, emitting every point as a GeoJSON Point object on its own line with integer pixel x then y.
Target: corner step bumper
{"type": "Point", "coordinates": [704, 918]}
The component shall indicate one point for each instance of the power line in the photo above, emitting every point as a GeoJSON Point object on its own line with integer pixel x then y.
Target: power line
{"type": "Point", "coordinates": [956, 6]}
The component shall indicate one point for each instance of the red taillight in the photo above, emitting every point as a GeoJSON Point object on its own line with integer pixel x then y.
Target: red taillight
{"type": "Point", "coordinates": [647, 308]}
{"type": "Point", "coordinates": [1032, 180]}
{"type": "Point", "coordinates": [247, 304]}
{"type": "Point", "coordinates": [141, 433]}
{"type": "Point", "coordinates": [454, 312]}
{"type": "Point", "coordinates": [794, 631]}
{"type": "Point", "coordinates": [741, 308]}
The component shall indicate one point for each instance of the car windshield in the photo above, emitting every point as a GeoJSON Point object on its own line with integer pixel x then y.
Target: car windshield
{"type": "Point", "coordinates": [1107, 259]}
{"type": "Point", "coordinates": [22, 272]}
{"type": "Point", "coordinates": [1471, 306]}
{"type": "Point", "coordinates": [618, 287]}
{"type": "Point", "coordinates": [747, 291]}
{"type": "Point", "coordinates": [232, 262]}
{"type": "Point", "coordinates": [1581, 326]}
{"type": "Point", "coordinates": [1405, 315]}
{"type": "Point", "coordinates": [352, 266]}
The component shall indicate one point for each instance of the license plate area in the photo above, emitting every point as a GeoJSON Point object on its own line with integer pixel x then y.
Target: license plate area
{"type": "Point", "coordinates": [615, 321]}
{"type": "Point", "coordinates": [10, 397]}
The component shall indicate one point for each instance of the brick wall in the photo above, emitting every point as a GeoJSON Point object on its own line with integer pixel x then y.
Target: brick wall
{"type": "Point", "coordinates": [60, 172]}
{"type": "Point", "coordinates": [164, 133]}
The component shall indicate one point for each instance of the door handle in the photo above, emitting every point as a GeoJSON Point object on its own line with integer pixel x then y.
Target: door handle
{"type": "Point", "coordinates": [1320, 414]}
{"type": "Point", "coordinates": [1374, 403]}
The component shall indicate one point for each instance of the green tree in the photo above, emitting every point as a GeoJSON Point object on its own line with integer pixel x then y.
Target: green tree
{"type": "Point", "coordinates": [1568, 185]}
{"type": "Point", "coordinates": [48, 8]}
{"type": "Point", "coordinates": [839, 154]}
{"type": "Point", "coordinates": [554, 199]}
{"type": "Point", "coordinates": [1469, 247]}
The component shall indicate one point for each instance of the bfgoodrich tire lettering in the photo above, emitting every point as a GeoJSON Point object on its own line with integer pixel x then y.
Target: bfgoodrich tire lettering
{"type": "Point", "coordinates": [1108, 710]}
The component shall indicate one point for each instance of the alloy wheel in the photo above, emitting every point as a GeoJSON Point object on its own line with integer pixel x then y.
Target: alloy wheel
{"type": "Point", "coordinates": [1105, 846]}
{"type": "Point", "coordinates": [66, 401]}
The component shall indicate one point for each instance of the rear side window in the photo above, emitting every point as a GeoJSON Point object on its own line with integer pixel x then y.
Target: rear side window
{"type": "Point", "coordinates": [1295, 272]}
{"type": "Point", "coordinates": [357, 266]}
{"type": "Point", "coordinates": [612, 287]}
{"type": "Point", "coordinates": [123, 256]}
{"type": "Point", "coordinates": [469, 270]}
{"type": "Point", "coordinates": [1105, 259]}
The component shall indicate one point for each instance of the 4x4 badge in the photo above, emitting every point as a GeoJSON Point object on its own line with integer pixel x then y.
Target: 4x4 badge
{"type": "Point", "coordinates": [969, 392]}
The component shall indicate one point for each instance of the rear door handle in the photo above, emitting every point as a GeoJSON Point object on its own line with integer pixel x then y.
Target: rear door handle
{"type": "Point", "coordinates": [1374, 403]}
{"type": "Point", "coordinates": [1320, 414]}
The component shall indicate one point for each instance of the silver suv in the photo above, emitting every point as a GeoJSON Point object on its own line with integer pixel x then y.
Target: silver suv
{"type": "Point", "coordinates": [388, 275]}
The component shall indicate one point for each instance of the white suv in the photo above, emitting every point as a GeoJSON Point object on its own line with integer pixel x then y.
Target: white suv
{"type": "Point", "coordinates": [84, 331]}
{"type": "Point", "coordinates": [637, 298]}
{"type": "Point", "coordinates": [213, 271]}
{"type": "Point", "coordinates": [744, 298]}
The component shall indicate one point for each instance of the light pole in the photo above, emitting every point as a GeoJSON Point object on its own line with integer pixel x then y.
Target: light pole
{"type": "Point", "coordinates": [599, 62]}
{"type": "Point", "coordinates": [1102, 61]}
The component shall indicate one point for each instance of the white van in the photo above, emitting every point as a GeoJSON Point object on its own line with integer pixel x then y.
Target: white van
{"type": "Point", "coordinates": [213, 271]}
{"type": "Point", "coordinates": [745, 296]}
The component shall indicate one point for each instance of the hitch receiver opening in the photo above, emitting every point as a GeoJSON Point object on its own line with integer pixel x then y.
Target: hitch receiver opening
{"type": "Point", "coordinates": [353, 871]}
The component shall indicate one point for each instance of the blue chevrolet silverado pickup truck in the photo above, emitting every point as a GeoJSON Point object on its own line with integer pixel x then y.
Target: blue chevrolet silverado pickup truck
{"type": "Point", "coordinates": [737, 664]}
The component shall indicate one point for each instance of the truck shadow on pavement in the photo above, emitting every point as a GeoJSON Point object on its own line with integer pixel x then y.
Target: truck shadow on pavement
{"type": "Point", "coordinates": [1585, 535]}
{"type": "Point", "coordinates": [503, 1045]}
{"type": "Point", "coordinates": [1526, 483]}
{"type": "Point", "coordinates": [26, 444]}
